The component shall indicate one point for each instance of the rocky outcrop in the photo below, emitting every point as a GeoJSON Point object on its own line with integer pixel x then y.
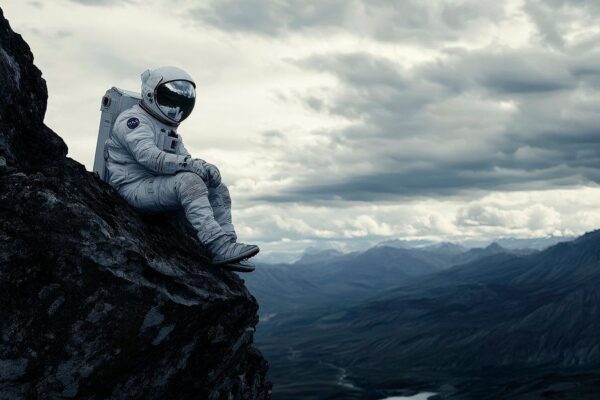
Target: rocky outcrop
{"type": "Point", "coordinates": [98, 301]}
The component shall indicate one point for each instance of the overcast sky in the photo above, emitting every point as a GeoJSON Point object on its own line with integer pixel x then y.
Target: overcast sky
{"type": "Point", "coordinates": [343, 123]}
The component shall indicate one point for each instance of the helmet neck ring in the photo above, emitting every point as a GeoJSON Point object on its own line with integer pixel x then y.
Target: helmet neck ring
{"type": "Point", "coordinates": [155, 115]}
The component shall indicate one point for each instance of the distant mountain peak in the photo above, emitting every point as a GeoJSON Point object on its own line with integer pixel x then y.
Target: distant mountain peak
{"type": "Point", "coordinates": [445, 248]}
{"type": "Point", "coordinates": [312, 255]}
{"type": "Point", "coordinates": [494, 246]}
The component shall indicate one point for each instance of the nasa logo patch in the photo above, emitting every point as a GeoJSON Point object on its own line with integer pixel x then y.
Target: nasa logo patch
{"type": "Point", "coordinates": [133, 123]}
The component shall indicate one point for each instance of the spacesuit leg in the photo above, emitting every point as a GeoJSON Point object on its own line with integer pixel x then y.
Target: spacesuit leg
{"type": "Point", "coordinates": [220, 201]}
{"type": "Point", "coordinates": [144, 195]}
{"type": "Point", "coordinates": [168, 192]}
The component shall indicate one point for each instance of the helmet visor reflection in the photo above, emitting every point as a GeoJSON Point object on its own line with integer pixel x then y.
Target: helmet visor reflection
{"type": "Point", "coordinates": [176, 99]}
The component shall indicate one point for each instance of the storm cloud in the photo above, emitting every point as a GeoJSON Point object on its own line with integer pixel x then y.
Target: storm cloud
{"type": "Point", "coordinates": [341, 123]}
{"type": "Point", "coordinates": [380, 19]}
{"type": "Point", "coordinates": [494, 117]}
{"type": "Point", "coordinates": [480, 120]}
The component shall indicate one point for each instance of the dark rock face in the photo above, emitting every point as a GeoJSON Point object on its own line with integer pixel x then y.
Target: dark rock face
{"type": "Point", "coordinates": [22, 107]}
{"type": "Point", "coordinates": [96, 300]}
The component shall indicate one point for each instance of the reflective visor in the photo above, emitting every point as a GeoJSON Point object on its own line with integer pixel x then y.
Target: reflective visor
{"type": "Point", "coordinates": [176, 99]}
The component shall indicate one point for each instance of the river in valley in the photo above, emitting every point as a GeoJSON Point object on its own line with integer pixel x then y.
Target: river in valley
{"type": "Point", "coordinates": [419, 396]}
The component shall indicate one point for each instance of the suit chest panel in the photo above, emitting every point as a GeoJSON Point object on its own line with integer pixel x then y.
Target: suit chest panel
{"type": "Point", "coordinates": [167, 139]}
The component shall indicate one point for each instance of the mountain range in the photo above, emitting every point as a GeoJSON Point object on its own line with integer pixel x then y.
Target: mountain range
{"type": "Point", "coordinates": [330, 277]}
{"type": "Point", "coordinates": [502, 324]}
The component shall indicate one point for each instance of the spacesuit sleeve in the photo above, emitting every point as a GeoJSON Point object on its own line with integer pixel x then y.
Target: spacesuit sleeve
{"type": "Point", "coordinates": [182, 150]}
{"type": "Point", "coordinates": [140, 141]}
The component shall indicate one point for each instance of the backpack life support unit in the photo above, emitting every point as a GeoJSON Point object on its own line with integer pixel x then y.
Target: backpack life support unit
{"type": "Point", "coordinates": [114, 102]}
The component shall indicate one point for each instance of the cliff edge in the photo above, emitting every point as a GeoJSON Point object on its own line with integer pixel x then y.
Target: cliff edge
{"type": "Point", "coordinates": [98, 301]}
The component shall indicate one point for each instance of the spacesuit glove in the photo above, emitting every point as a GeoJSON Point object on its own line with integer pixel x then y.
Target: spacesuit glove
{"type": "Point", "coordinates": [196, 165]}
{"type": "Point", "coordinates": [214, 175]}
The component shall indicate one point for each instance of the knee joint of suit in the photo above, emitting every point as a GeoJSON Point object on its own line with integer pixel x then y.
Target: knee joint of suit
{"type": "Point", "coordinates": [223, 192]}
{"type": "Point", "coordinates": [190, 184]}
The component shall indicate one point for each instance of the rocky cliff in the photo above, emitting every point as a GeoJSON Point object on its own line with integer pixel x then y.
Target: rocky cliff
{"type": "Point", "coordinates": [96, 300]}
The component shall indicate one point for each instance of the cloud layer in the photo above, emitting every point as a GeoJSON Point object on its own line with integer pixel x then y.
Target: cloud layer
{"type": "Point", "coordinates": [476, 120]}
{"type": "Point", "coordinates": [342, 123]}
{"type": "Point", "coordinates": [378, 19]}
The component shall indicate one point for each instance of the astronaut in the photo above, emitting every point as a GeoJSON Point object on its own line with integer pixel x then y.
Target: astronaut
{"type": "Point", "coordinates": [150, 167]}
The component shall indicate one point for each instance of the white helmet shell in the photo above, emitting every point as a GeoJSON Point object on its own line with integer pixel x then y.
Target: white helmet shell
{"type": "Point", "coordinates": [151, 79]}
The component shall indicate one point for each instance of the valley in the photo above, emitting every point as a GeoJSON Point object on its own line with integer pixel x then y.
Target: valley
{"type": "Point", "coordinates": [392, 318]}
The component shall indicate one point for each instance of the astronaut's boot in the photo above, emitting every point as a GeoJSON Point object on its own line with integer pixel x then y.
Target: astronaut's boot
{"type": "Point", "coordinates": [225, 251]}
{"type": "Point", "coordinates": [232, 236]}
{"type": "Point", "coordinates": [240, 266]}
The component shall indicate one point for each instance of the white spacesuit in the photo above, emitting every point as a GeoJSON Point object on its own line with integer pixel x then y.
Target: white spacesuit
{"type": "Point", "coordinates": [150, 167]}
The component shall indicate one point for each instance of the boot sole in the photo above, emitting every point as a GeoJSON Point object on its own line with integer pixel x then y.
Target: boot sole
{"type": "Point", "coordinates": [240, 257]}
{"type": "Point", "coordinates": [237, 268]}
